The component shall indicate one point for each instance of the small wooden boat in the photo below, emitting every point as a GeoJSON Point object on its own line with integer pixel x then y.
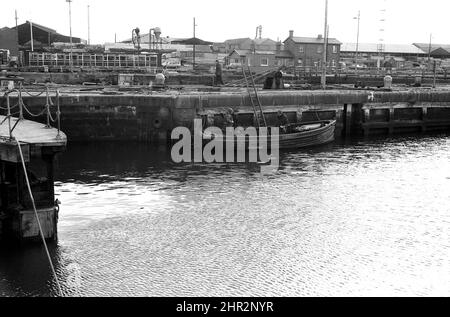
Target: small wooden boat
{"type": "Point", "coordinates": [308, 134]}
{"type": "Point", "coordinates": [292, 136]}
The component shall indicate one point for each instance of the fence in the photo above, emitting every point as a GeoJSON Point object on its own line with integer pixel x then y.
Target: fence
{"type": "Point", "coordinates": [92, 60]}
{"type": "Point", "coordinates": [19, 109]}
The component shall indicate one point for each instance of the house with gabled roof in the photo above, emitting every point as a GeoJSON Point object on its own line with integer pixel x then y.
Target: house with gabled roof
{"type": "Point", "coordinates": [260, 60]}
{"type": "Point", "coordinates": [308, 51]}
{"type": "Point", "coordinates": [238, 44]}
{"type": "Point", "coordinates": [258, 44]}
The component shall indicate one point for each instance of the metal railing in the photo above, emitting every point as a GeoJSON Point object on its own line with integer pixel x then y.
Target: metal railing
{"type": "Point", "coordinates": [20, 109]}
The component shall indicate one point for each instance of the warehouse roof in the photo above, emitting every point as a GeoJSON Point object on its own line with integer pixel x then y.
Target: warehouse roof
{"type": "Point", "coordinates": [434, 47]}
{"type": "Point", "coordinates": [43, 28]}
{"type": "Point", "coordinates": [388, 48]}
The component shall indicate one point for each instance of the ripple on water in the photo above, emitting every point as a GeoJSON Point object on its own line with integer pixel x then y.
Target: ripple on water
{"type": "Point", "coordinates": [367, 218]}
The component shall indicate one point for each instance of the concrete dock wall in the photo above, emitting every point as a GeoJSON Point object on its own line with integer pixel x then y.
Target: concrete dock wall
{"type": "Point", "coordinates": [207, 79]}
{"type": "Point", "coordinates": [150, 118]}
{"type": "Point", "coordinates": [111, 78]}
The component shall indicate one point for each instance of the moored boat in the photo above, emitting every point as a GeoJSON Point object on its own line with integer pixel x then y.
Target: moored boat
{"type": "Point", "coordinates": [292, 136]}
{"type": "Point", "coordinates": [308, 134]}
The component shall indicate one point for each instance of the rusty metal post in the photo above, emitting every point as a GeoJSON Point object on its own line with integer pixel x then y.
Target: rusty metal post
{"type": "Point", "coordinates": [48, 107]}
{"type": "Point", "coordinates": [8, 105]}
{"type": "Point", "coordinates": [58, 113]}
{"type": "Point", "coordinates": [20, 102]}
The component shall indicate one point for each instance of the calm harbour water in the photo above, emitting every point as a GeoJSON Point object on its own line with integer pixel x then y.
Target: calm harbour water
{"type": "Point", "coordinates": [363, 218]}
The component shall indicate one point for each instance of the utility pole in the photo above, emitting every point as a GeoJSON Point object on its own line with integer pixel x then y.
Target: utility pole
{"type": "Point", "coordinates": [31, 36]}
{"type": "Point", "coordinates": [71, 44]}
{"type": "Point", "coordinates": [429, 51]}
{"type": "Point", "coordinates": [357, 41]}
{"type": "Point", "coordinates": [89, 25]}
{"type": "Point", "coordinates": [193, 65]}
{"type": "Point", "coordinates": [324, 62]}
{"type": "Point", "coordinates": [18, 44]}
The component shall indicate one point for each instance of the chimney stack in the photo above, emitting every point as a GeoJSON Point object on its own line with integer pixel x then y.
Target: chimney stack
{"type": "Point", "coordinates": [291, 34]}
{"type": "Point", "coordinates": [278, 47]}
{"type": "Point", "coordinates": [319, 36]}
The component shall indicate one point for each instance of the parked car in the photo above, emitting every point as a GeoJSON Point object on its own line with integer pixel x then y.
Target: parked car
{"type": "Point", "coordinates": [358, 66]}
{"type": "Point", "coordinates": [234, 65]}
{"type": "Point", "coordinates": [172, 63]}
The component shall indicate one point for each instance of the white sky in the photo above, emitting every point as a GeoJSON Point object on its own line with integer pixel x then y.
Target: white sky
{"type": "Point", "coordinates": [406, 21]}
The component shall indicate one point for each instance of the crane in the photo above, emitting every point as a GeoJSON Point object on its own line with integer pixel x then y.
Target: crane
{"type": "Point", "coordinates": [136, 38]}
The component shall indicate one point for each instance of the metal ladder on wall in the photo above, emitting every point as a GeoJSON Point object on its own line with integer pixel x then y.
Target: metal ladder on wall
{"type": "Point", "coordinates": [254, 98]}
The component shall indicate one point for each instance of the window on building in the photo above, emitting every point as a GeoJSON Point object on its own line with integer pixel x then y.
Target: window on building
{"type": "Point", "coordinates": [335, 49]}
{"type": "Point", "coordinates": [301, 49]}
{"type": "Point", "coordinates": [300, 62]}
{"type": "Point", "coordinates": [319, 49]}
{"type": "Point", "coordinates": [264, 61]}
{"type": "Point", "coordinates": [333, 63]}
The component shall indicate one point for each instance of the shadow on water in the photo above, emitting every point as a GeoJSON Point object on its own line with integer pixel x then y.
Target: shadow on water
{"type": "Point", "coordinates": [25, 270]}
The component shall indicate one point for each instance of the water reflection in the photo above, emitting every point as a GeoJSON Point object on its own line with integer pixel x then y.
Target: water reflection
{"type": "Point", "coordinates": [359, 218]}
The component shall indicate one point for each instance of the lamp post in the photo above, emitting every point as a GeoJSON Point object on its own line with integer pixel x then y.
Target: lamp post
{"type": "Point", "coordinates": [357, 40]}
{"type": "Point", "coordinates": [31, 36]}
{"type": "Point", "coordinates": [89, 24]}
{"type": "Point", "coordinates": [324, 62]}
{"type": "Point", "coordinates": [193, 65]}
{"type": "Point", "coordinates": [17, 34]}
{"type": "Point", "coordinates": [429, 50]}
{"type": "Point", "coordinates": [70, 26]}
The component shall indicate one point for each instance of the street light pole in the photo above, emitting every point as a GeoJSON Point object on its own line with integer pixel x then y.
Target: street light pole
{"type": "Point", "coordinates": [429, 50]}
{"type": "Point", "coordinates": [193, 65]}
{"type": "Point", "coordinates": [17, 31]}
{"type": "Point", "coordinates": [71, 44]}
{"type": "Point", "coordinates": [324, 62]}
{"type": "Point", "coordinates": [31, 36]}
{"type": "Point", "coordinates": [89, 25]}
{"type": "Point", "coordinates": [357, 40]}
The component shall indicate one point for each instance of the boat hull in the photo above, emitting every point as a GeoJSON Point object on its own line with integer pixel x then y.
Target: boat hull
{"type": "Point", "coordinates": [320, 136]}
{"type": "Point", "coordinates": [302, 139]}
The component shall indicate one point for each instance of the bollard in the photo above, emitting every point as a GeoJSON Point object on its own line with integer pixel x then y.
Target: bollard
{"type": "Point", "coordinates": [160, 79]}
{"type": "Point", "coordinates": [388, 82]}
{"type": "Point", "coordinates": [417, 81]}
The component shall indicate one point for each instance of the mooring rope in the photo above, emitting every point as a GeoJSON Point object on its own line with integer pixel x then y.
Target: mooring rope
{"type": "Point", "coordinates": [23, 107]}
{"type": "Point", "coordinates": [37, 219]}
{"type": "Point", "coordinates": [32, 114]}
{"type": "Point", "coordinates": [31, 95]}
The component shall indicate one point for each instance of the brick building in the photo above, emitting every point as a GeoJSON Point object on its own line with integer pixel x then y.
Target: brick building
{"type": "Point", "coordinates": [259, 44]}
{"type": "Point", "coordinates": [8, 40]}
{"type": "Point", "coordinates": [308, 51]}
